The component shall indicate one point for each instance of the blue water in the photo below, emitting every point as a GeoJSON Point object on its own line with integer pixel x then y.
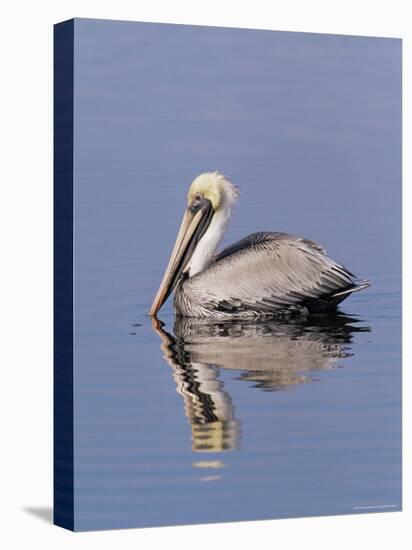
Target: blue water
{"type": "Point", "coordinates": [184, 423]}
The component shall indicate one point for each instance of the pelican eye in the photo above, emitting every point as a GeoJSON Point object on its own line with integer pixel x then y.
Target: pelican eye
{"type": "Point", "coordinates": [198, 202]}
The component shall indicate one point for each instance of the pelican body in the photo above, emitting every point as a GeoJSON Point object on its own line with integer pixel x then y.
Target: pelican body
{"type": "Point", "coordinates": [263, 275]}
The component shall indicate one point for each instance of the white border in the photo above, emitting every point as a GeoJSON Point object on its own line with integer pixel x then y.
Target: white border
{"type": "Point", "coordinates": [26, 304]}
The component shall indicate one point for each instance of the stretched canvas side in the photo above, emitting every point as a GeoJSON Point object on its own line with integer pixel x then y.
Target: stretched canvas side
{"type": "Point", "coordinates": [63, 275]}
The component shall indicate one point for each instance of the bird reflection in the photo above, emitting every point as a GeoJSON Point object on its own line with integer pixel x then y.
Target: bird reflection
{"type": "Point", "coordinates": [272, 355]}
{"type": "Point", "coordinates": [208, 406]}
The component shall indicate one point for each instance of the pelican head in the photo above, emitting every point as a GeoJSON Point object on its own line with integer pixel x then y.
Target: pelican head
{"type": "Point", "coordinates": [210, 200]}
{"type": "Point", "coordinates": [214, 187]}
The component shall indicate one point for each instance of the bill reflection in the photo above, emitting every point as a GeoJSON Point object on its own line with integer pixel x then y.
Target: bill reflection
{"type": "Point", "coordinates": [208, 406]}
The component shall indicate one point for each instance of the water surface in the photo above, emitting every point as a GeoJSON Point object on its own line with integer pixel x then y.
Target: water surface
{"type": "Point", "coordinates": [181, 422]}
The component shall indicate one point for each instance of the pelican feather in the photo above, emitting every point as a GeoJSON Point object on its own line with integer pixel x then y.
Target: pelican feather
{"type": "Point", "coordinates": [267, 274]}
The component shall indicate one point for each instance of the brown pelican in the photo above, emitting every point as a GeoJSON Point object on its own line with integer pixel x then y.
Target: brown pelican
{"type": "Point", "coordinates": [263, 275]}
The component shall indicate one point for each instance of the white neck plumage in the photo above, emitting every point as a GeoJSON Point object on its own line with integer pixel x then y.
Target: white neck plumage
{"type": "Point", "coordinates": [208, 244]}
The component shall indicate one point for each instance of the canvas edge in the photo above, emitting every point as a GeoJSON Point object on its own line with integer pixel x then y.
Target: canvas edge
{"type": "Point", "coordinates": [63, 110]}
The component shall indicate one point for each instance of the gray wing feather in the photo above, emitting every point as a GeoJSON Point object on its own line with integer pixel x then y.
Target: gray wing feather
{"type": "Point", "coordinates": [270, 271]}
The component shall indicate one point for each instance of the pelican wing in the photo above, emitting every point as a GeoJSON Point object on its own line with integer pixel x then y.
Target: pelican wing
{"type": "Point", "coordinates": [267, 272]}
